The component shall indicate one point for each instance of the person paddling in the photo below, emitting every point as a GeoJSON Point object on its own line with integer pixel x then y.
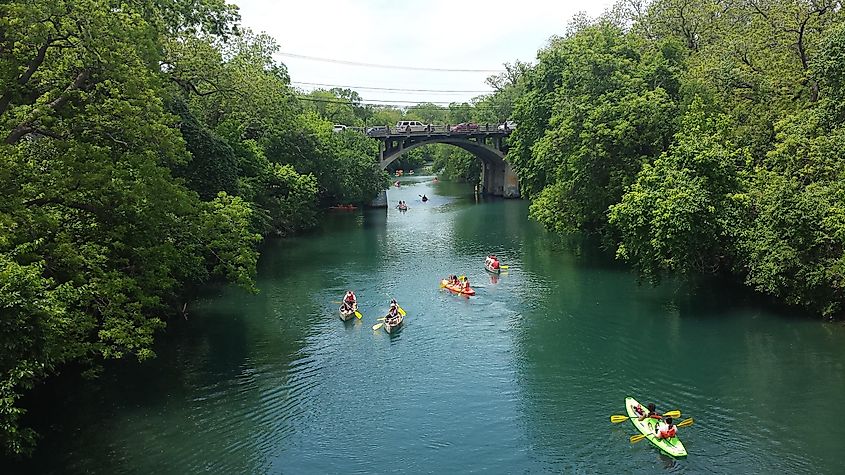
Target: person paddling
{"type": "Point", "coordinates": [650, 412]}
{"type": "Point", "coordinates": [665, 429]}
{"type": "Point", "coordinates": [393, 313]}
{"type": "Point", "coordinates": [349, 300]}
{"type": "Point", "coordinates": [424, 198]}
{"type": "Point", "coordinates": [466, 284]}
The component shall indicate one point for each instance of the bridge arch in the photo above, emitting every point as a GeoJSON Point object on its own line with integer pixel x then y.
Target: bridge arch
{"type": "Point", "coordinates": [484, 152]}
{"type": "Point", "coordinates": [498, 179]}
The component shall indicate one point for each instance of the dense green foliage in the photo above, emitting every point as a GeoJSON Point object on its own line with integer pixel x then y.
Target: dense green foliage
{"type": "Point", "coordinates": [697, 136]}
{"type": "Point", "coordinates": [457, 164]}
{"type": "Point", "coordinates": [146, 148]}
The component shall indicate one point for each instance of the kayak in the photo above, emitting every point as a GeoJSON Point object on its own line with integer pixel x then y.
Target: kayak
{"type": "Point", "coordinates": [455, 288]}
{"type": "Point", "coordinates": [390, 328]}
{"type": "Point", "coordinates": [346, 315]}
{"type": "Point", "coordinates": [671, 447]}
{"type": "Point", "coordinates": [490, 269]}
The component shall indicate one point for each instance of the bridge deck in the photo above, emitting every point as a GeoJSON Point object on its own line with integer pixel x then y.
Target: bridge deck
{"type": "Point", "coordinates": [434, 130]}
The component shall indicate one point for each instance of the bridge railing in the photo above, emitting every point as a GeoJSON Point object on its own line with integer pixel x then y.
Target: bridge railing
{"type": "Point", "coordinates": [434, 129]}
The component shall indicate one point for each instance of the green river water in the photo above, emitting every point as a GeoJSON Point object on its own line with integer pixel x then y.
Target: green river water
{"type": "Point", "coordinates": [521, 378]}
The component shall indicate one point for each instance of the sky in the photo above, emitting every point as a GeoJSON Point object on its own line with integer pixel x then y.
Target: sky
{"type": "Point", "coordinates": [479, 35]}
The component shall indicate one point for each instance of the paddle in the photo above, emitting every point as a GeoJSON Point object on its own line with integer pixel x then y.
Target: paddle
{"type": "Point", "coordinates": [401, 312]}
{"type": "Point", "coordinates": [460, 277]}
{"type": "Point", "coordinates": [639, 437]}
{"type": "Point", "coordinates": [616, 418]}
{"type": "Point", "coordinates": [377, 326]}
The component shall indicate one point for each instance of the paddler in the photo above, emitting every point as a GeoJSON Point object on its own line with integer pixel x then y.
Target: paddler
{"type": "Point", "coordinates": [665, 429]}
{"type": "Point", "coordinates": [466, 284]}
{"type": "Point", "coordinates": [494, 263]}
{"type": "Point", "coordinates": [349, 300]}
{"type": "Point", "coordinates": [392, 313]}
{"type": "Point", "coordinates": [650, 412]}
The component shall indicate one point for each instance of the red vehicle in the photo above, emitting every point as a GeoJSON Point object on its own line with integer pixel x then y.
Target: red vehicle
{"type": "Point", "coordinates": [465, 127]}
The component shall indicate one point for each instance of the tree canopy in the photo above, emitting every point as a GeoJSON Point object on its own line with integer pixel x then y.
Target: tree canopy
{"type": "Point", "coordinates": [147, 147]}
{"type": "Point", "coordinates": [696, 136]}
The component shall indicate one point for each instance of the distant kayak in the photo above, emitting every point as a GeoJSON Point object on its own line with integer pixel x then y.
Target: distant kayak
{"type": "Point", "coordinates": [491, 269]}
{"type": "Point", "coordinates": [391, 327]}
{"type": "Point", "coordinates": [346, 314]}
{"type": "Point", "coordinates": [672, 447]}
{"type": "Point", "coordinates": [457, 288]}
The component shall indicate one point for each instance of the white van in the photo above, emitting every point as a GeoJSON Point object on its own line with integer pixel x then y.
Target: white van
{"type": "Point", "coordinates": [410, 126]}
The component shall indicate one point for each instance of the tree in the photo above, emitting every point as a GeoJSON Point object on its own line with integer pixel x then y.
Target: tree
{"type": "Point", "coordinates": [97, 238]}
{"type": "Point", "coordinates": [683, 213]}
{"type": "Point", "coordinates": [599, 104]}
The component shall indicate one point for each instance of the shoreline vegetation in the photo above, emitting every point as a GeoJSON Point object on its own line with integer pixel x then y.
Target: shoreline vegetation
{"type": "Point", "coordinates": [696, 138]}
{"type": "Point", "coordinates": [148, 150]}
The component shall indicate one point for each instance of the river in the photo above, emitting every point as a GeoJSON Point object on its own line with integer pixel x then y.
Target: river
{"type": "Point", "coordinates": [520, 378]}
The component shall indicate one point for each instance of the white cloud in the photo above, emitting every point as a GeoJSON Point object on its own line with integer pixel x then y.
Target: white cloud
{"type": "Point", "coordinates": [425, 33]}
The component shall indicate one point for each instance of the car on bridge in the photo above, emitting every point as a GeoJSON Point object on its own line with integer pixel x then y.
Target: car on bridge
{"type": "Point", "coordinates": [411, 126]}
{"type": "Point", "coordinates": [338, 128]}
{"type": "Point", "coordinates": [377, 130]}
{"type": "Point", "coordinates": [507, 125]}
{"type": "Point", "coordinates": [465, 127]}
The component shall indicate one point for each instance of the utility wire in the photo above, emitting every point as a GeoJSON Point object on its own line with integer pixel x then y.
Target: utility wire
{"type": "Point", "coordinates": [390, 88]}
{"type": "Point", "coordinates": [386, 66]}
{"type": "Point", "coordinates": [376, 102]}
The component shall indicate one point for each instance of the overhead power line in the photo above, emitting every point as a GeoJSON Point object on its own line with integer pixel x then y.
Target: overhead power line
{"type": "Point", "coordinates": [370, 88]}
{"type": "Point", "coordinates": [376, 102]}
{"type": "Point", "coordinates": [387, 66]}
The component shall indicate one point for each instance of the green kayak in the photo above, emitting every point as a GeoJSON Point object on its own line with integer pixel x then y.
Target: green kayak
{"type": "Point", "coordinates": [671, 447]}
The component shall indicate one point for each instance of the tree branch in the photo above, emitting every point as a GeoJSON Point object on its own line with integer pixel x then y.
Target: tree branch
{"type": "Point", "coordinates": [59, 201]}
{"type": "Point", "coordinates": [28, 126]}
{"type": "Point", "coordinates": [24, 78]}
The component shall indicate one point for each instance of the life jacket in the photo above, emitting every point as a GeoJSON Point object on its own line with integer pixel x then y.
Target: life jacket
{"type": "Point", "coordinates": [495, 264]}
{"type": "Point", "coordinates": [668, 433]}
{"type": "Point", "coordinates": [350, 297]}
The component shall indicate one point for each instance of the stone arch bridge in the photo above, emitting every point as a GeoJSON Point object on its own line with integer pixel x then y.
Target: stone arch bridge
{"type": "Point", "coordinates": [486, 142]}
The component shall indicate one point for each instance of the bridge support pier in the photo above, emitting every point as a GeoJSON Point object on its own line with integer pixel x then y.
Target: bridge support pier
{"type": "Point", "coordinates": [380, 201]}
{"type": "Point", "coordinates": [511, 184]}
